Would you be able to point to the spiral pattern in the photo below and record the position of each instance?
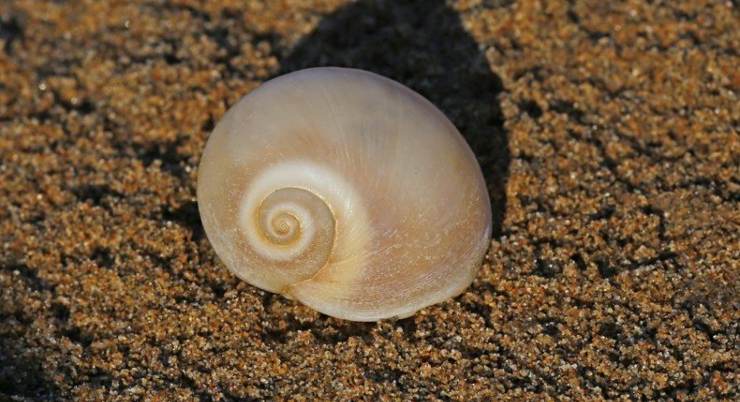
(288, 222)
(282, 228)
(289, 219)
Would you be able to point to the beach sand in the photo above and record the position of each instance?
(607, 133)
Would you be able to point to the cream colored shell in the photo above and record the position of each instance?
(346, 191)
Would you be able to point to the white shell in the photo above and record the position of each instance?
(346, 191)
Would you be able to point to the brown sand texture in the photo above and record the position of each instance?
(607, 132)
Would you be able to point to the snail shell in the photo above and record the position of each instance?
(346, 191)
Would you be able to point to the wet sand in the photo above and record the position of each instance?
(607, 133)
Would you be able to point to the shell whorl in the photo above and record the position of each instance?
(346, 191)
(288, 223)
(289, 218)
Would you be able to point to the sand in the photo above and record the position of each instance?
(607, 132)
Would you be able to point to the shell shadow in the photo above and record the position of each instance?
(22, 376)
(422, 44)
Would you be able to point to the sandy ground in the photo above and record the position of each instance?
(607, 131)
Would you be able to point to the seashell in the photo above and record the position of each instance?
(346, 191)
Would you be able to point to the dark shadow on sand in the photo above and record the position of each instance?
(22, 376)
(422, 44)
